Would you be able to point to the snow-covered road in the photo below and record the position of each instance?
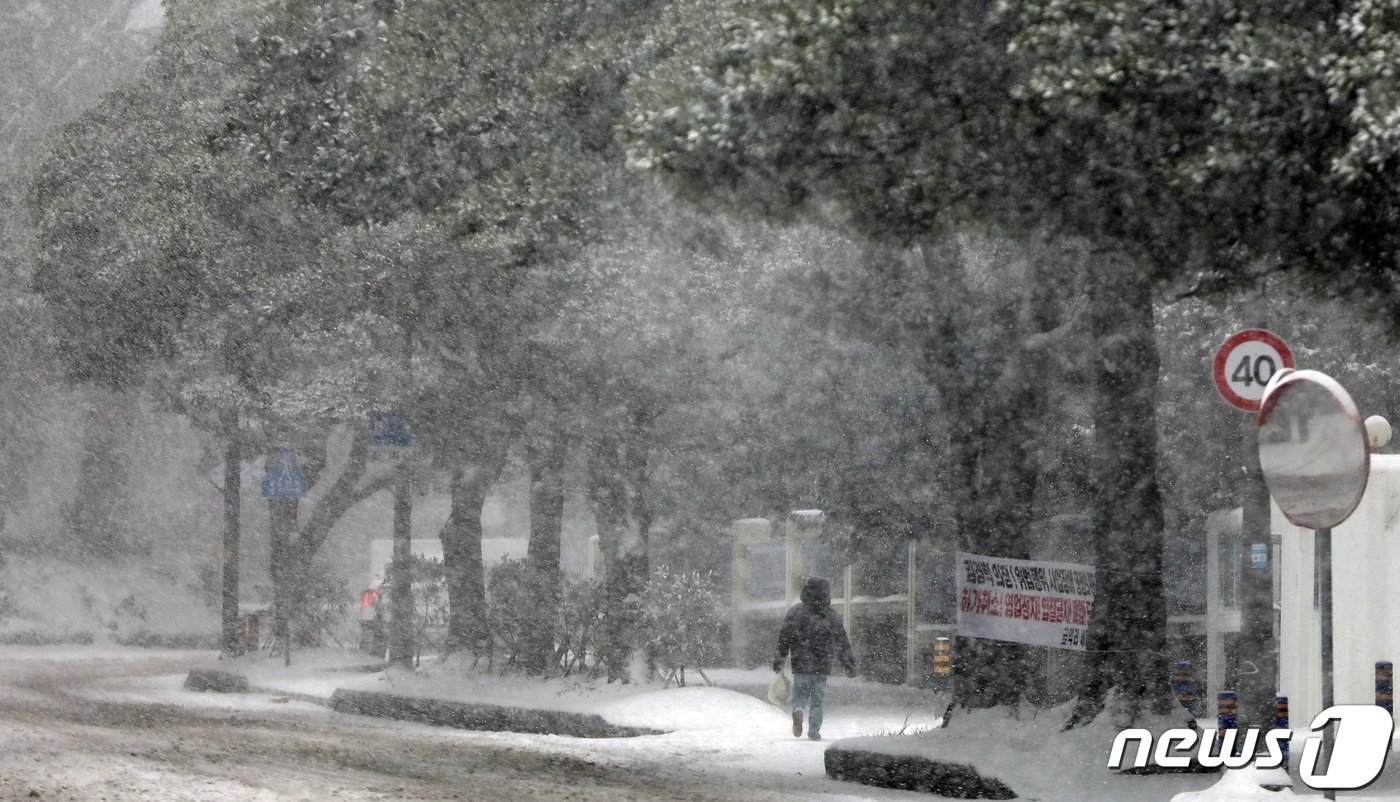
(85, 727)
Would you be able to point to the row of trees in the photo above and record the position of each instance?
(300, 213)
(1202, 146)
(280, 306)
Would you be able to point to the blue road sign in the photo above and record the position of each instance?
(1259, 555)
(284, 478)
(388, 430)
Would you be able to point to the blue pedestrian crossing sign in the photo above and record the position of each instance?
(387, 430)
(389, 440)
(284, 478)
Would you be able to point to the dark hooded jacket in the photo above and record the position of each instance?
(812, 633)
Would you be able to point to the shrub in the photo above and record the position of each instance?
(516, 612)
(578, 626)
(430, 605)
(682, 616)
(318, 609)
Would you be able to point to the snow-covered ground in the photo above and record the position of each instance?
(729, 735)
(126, 601)
(721, 729)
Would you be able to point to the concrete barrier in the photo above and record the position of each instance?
(472, 716)
(912, 773)
(213, 679)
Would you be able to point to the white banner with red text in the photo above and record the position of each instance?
(1025, 601)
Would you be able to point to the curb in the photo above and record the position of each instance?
(911, 773)
(217, 680)
(439, 712)
(489, 718)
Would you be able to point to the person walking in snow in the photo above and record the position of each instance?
(813, 635)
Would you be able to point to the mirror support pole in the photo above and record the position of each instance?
(1322, 557)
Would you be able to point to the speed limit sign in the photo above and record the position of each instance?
(1244, 365)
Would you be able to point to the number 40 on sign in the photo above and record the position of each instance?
(1245, 363)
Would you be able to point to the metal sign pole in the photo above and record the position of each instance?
(284, 522)
(1315, 452)
(1322, 549)
(1243, 367)
(1256, 643)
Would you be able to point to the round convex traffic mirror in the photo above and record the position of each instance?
(1312, 448)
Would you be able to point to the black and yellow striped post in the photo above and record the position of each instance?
(1184, 685)
(942, 668)
(942, 659)
(1226, 716)
(1385, 686)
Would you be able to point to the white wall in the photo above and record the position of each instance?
(1365, 605)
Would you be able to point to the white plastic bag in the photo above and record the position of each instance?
(780, 689)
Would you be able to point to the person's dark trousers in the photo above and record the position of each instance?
(809, 690)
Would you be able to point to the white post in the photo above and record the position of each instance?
(744, 534)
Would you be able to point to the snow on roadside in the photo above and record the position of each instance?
(692, 708)
(122, 603)
(95, 652)
(169, 689)
(1240, 785)
(718, 731)
(727, 734)
(1029, 751)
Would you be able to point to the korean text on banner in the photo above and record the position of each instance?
(1025, 601)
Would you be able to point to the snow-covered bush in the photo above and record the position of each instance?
(430, 604)
(516, 614)
(578, 625)
(683, 615)
(319, 609)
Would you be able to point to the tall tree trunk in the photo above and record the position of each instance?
(547, 456)
(1127, 630)
(20, 441)
(461, 550)
(233, 491)
(547, 505)
(638, 466)
(304, 540)
(96, 518)
(403, 626)
(992, 395)
(623, 518)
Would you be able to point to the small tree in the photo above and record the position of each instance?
(682, 616)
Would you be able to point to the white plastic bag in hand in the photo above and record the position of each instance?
(780, 689)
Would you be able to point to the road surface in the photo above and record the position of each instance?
(71, 733)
